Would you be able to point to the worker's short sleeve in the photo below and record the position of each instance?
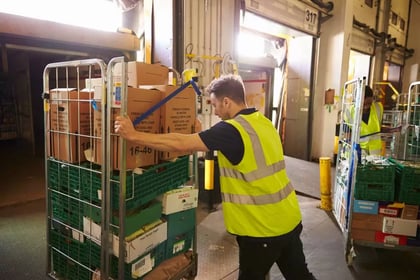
(225, 138)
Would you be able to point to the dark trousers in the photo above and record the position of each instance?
(257, 256)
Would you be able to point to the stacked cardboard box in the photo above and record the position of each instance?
(169, 233)
(176, 115)
(139, 73)
(138, 102)
(389, 223)
(70, 124)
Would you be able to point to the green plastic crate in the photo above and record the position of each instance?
(181, 222)
(67, 210)
(375, 182)
(179, 244)
(71, 179)
(157, 254)
(83, 250)
(91, 182)
(408, 182)
(65, 268)
(135, 218)
(415, 117)
(154, 181)
(85, 182)
(375, 192)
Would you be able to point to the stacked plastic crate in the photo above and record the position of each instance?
(75, 185)
(72, 255)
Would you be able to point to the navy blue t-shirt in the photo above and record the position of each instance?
(225, 138)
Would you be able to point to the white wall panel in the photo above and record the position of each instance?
(364, 13)
(362, 42)
(398, 25)
(413, 42)
(209, 33)
(292, 13)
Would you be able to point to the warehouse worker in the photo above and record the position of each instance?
(259, 203)
(371, 125)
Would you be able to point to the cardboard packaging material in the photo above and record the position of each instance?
(136, 245)
(399, 226)
(179, 200)
(367, 221)
(138, 102)
(363, 234)
(365, 206)
(140, 73)
(70, 124)
(364, 226)
(410, 212)
(177, 115)
(143, 242)
(390, 239)
(97, 85)
(389, 211)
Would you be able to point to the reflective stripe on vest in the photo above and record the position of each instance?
(261, 199)
(262, 170)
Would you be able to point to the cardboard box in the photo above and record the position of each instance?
(389, 211)
(399, 226)
(390, 239)
(138, 102)
(97, 85)
(366, 221)
(179, 200)
(140, 73)
(410, 212)
(70, 124)
(363, 234)
(365, 206)
(140, 243)
(178, 115)
(92, 230)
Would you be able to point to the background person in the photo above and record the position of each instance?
(371, 125)
(259, 203)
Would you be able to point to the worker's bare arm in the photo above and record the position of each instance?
(170, 142)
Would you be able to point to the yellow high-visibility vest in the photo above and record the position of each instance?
(258, 197)
(370, 133)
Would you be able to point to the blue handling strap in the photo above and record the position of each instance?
(355, 148)
(166, 99)
(94, 106)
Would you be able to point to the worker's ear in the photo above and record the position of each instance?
(226, 101)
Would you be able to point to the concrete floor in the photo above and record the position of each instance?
(23, 225)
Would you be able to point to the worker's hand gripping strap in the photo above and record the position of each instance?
(166, 99)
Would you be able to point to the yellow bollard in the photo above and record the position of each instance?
(325, 182)
(209, 171)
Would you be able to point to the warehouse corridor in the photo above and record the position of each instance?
(23, 225)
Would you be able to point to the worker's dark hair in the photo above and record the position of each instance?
(368, 91)
(230, 86)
